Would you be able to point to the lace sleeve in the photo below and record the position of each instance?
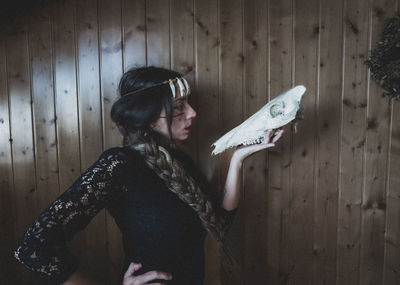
(43, 247)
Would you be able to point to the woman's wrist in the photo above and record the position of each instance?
(237, 159)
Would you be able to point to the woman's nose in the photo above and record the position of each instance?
(191, 113)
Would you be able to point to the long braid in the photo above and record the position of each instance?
(183, 185)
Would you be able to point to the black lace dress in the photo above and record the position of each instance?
(159, 230)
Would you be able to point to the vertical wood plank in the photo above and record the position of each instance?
(40, 45)
(65, 92)
(206, 91)
(20, 103)
(181, 26)
(391, 274)
(352, 143)
(182, 55)
(255, 167)
(21, 137)
(67, 120)
(304, 155)
(374, 196)
(7, 211)
(231, 114)
(206, 81)
(279, 247)
(134, 27)
(90, 124)
(111, 67)
(328, 131)
(392, 244)
(158, 33)
(88, 82)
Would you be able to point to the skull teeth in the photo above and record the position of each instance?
(255, 141)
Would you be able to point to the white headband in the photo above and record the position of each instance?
(178, 83)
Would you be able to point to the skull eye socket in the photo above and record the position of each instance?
(276, 110)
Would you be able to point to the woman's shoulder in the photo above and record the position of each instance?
(115, 161)
(122, 154)
(115, 151)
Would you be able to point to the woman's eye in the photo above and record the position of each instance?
(179, 108)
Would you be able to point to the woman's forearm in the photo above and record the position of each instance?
(231, 193)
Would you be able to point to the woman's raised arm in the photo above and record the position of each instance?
(231, 193)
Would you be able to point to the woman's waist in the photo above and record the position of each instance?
(188, 271)
(166, 257)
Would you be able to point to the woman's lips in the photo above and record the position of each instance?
(188, 129)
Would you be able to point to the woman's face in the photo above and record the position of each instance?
(183, 115)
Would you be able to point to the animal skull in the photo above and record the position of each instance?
(277, 113)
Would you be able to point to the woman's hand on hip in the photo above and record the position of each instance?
(129, 279)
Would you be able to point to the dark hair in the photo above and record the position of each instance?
(141, 102)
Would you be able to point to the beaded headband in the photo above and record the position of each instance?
(178, 83)
(175, 84)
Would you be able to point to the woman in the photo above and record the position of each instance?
(159, 200)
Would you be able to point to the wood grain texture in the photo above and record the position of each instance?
(158, 33)
(374, 196)
(255, 167)
(206, 44)
(21, 133)
(7, 200)
(111, 68)
(66, 93)
(306, 21)
(391, 272)
(231, 114)
(41, 58)
(20, 109)
(66, 103)
(321, 208)
(329, 65)
(392, 245)
(278, 206)
(134, 33)
(352, 142)
(90, 124)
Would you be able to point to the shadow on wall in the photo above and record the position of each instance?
(10, 9)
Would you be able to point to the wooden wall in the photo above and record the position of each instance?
(322, 207)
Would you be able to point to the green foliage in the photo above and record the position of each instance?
(384, 61)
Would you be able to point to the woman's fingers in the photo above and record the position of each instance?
(270, 134)
(132, 268)
(129, 279)
(277, 136)
(151, 275)
(269, 140)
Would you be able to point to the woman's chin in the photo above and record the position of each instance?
(182, 137)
